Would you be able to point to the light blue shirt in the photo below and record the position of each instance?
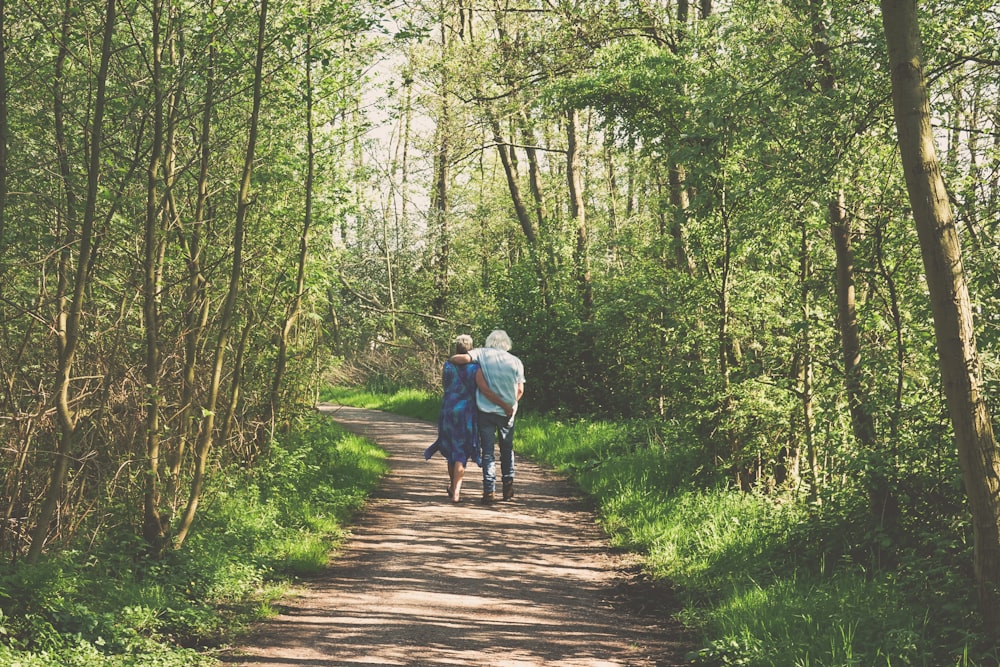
(503, 372)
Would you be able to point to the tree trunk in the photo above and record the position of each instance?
(523, 216)
(196, 300)
(292, 315)
(69, 319)
(581, 253)
(726, 405)
(805, 371)
(229, 307)
(153, 529)
(4, 130)
(882, 502)
(680, 201)
(439, 197)
(949, 294)
(504, 149)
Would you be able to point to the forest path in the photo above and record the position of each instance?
(422, 581)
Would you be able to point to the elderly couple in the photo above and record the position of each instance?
(481, 389)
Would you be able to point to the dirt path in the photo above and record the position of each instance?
(424, 582)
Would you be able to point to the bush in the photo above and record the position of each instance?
(114, 605)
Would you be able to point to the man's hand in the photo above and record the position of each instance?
(491, 396)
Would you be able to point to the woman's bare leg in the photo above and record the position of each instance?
(456, 481)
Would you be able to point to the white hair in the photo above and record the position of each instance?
(499, 340)
(464, 341)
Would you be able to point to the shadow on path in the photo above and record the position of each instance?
(424, 582)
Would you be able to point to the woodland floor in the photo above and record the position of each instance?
(422, 581)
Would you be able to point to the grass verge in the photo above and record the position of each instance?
(256, 531)
(766, 580)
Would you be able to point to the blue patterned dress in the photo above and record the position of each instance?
(458, 429)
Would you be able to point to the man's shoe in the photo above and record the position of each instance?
(489, 498)
(508, 489)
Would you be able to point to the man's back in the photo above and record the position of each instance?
(503, 372)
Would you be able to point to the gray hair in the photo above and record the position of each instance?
(499, 340)
(463, 343)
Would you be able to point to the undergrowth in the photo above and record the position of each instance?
(408, 402)
(256, 530)
(768, 580)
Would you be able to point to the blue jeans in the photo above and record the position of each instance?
(491, 424)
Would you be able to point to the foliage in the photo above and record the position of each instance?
(766, 580)
(115, 605)
(417, 403)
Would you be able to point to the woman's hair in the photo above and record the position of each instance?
(499, 340)
(463, 343)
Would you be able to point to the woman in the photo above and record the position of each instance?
(458, 430)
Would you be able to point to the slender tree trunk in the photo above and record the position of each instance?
(4, 133)
(806, 368)
(153, 529)
(613, 198)
(534, 174)
(680, 201)
(897, 324)
(439, 197)
(949, 294)
(581, 254)
(677, 178)
(229, 307)
(882, 502)
(292, 315)
(726, 407)
(196, 300)
(504, 150)
(69, 325)
(523, 216)
(407, 120)
(236, 387)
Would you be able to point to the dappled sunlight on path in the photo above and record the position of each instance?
(424, 582)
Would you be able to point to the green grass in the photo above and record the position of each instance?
(255, 532)
(409, 402)
(765, 580)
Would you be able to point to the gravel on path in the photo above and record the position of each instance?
(423, 581)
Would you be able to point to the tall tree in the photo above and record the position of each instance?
(154, 530)
(228, 314)
(3, 129)
(69, 323)
(295, 307)
(442, 158)
(882, 502)
(954, 330)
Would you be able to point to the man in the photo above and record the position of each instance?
(501, 373)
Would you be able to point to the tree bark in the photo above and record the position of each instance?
(439, 196)
(953, 325)
(581, 253)
(680, 201)
(153, 529)
(292, 314)
(229, 307)
(805, 372)
(4, 131)
(195, 298)
(69, 324)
